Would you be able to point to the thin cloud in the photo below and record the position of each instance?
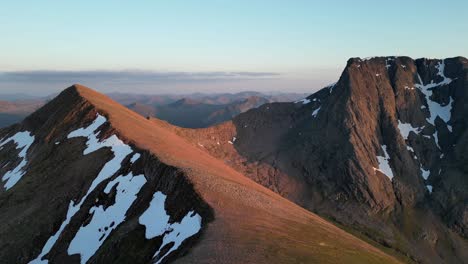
(45, 82)
(129, 76)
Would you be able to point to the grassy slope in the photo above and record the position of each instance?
(252, 224)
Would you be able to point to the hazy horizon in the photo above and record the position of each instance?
(16, 95)
(213, 46)
(44, 82)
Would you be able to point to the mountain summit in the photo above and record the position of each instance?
(86, 180)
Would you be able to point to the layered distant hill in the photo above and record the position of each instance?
(195, 113)
(190, 110)
(204, 98)
(200, 110)
(14, 111)
(86, 180)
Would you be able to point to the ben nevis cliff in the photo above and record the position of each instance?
(382, 154)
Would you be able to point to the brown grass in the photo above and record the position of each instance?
(252, 224)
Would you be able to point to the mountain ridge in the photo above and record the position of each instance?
(192, 181)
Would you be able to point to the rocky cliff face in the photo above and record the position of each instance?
(382, 151)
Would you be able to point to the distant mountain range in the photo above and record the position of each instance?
(214, 98)
(16, 110)
(17, 97)
(197, 113)
(192, 110)
(199, 110)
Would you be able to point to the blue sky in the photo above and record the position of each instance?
(303, 44)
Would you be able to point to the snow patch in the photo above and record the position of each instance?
(315, 112)
(435, 109)
(384, 165)
(425, 173)
(120, 150)
(232, 140)
(156, 221)
(23, 141)
(135, 157)
(331, 87)
(436, 139)
(89, 130)
(303, 101)
(429, 188)
(387, 65)
(89, 238)
(406, 128)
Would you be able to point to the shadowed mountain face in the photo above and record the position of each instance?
(382, 152)
(86, 180)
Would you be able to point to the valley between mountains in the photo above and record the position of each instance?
(371, 169)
